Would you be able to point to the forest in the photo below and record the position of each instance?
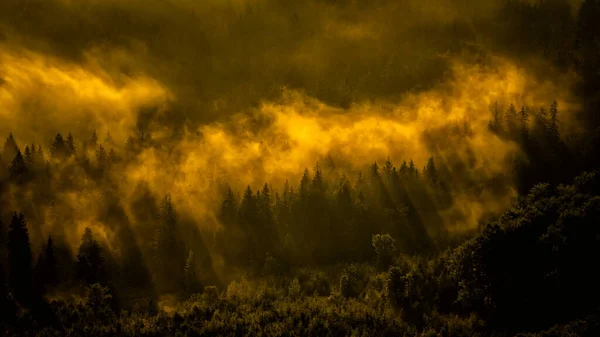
(265, 189)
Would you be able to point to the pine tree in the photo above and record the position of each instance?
(495, 124)
(388, 171)
(228, 211)
(265, 204)
(10, 147)
(59, 148)
(404, 169)
(430, 172)
(29, 156)
(20, 259)
(189, 274)
(101, 156)
(542, 120)
(18, 170)
(169, 255)
(40, 154)
(45, 272)
(248, 220)
(554, 121)
(70, 145)
(511, 118)
(89, 263)
(304, 184)
(523, 121)
(346, 223)
(94, 139)
(112, 156)
(412, 169)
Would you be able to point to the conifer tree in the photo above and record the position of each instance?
(248, 219)
(18, 170)
(228, 211)
(511, 118)
(94, 140)
(89, 263)
(523, 121)
(169, 255)
(412, 169)
(388, 171)
(59, 148)
(10, 148)
(20, 261)
(318, 185)
(189, 274)
(554, 122)
(542, 120)
(265, 213)
(45, 271)
(112, 156)
(495, 123)
(430, 172)
(29, 156)
(70, 145)
(404, 169)
(304, 184)
(101, 156)
(40, 154)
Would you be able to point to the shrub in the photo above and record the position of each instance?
(350, 282)
(294, 290)
(385, 247)
(395, 287)
(211, 294)
(98, 298)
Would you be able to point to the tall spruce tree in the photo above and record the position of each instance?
(169, 254)
(10, 148)
(20, 261)
(89, 263)
(18, 170)
(45, 272)
(70, 145)
(59, 148)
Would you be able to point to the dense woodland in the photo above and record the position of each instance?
(364, 254)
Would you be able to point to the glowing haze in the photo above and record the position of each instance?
(250, 92)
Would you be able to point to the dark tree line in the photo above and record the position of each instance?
(324, 221)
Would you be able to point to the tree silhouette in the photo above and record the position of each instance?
(18, 170)
(20, 261)
(45, 271)
(10, 147)
(168, 253)
(59, 149)
(89, 263)
(70, 145)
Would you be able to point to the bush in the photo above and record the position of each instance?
(350, 282)
(238, 290)
(294, 290)
(314, 283)
(385, 247)
(98, 298)
(270, 267)
(395, 287)
(211, 294)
